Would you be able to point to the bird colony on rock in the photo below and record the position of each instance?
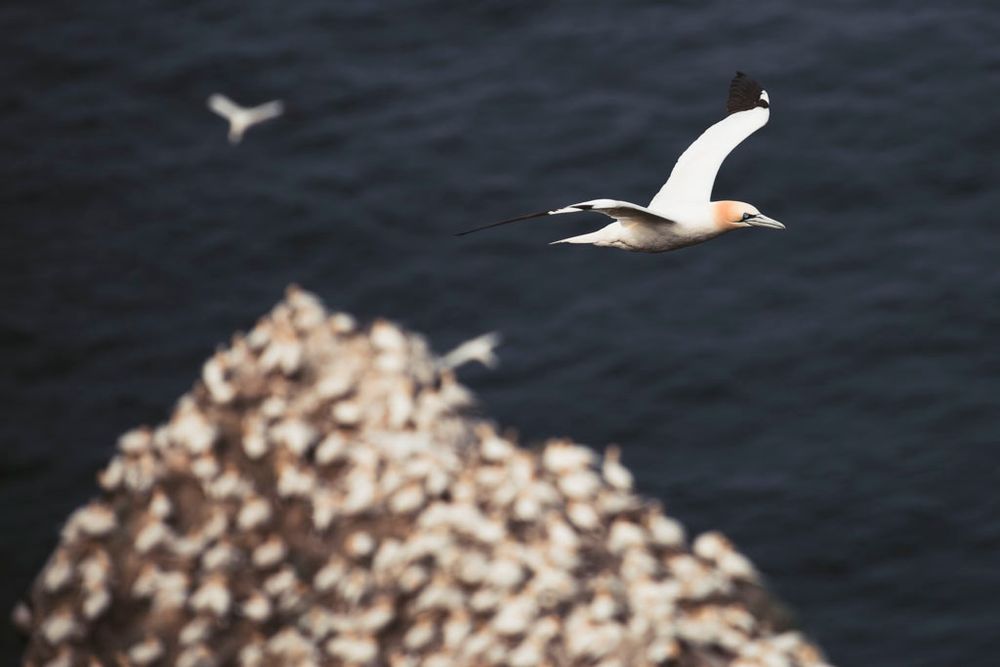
(323, 497)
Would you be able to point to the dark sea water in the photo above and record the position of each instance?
(828, 396)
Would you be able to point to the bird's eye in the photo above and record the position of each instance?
(746, 216)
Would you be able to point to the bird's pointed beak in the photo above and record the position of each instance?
(761, 220)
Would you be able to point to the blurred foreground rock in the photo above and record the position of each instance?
(321, 497)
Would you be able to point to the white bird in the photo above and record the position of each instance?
(481, 349)
(682, 213)
(242, 118)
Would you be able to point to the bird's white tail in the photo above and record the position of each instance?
(596, 238)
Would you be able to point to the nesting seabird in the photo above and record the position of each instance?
(682, 213)
(241, 118)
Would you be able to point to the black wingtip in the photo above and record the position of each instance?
(503, 222)
(744, 94)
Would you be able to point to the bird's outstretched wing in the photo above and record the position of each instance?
(266, 111)
(694, 174)
(481, 349)
(622, 211)
(223, 106)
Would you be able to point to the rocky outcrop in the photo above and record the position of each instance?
(322, 496)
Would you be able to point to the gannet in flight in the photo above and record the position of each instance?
(481, 349)
(242, 118)
(682, 213)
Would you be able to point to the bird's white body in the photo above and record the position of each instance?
(243, 118)
(674, 226)
(682, 213)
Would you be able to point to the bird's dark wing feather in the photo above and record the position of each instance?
(744, 94)
(624, 212)
(519, 218)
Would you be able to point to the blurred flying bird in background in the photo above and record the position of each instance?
(243, 118)
(481, 349)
